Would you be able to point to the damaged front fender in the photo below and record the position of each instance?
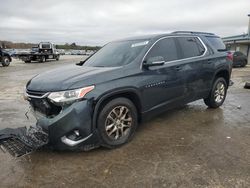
(22, 141)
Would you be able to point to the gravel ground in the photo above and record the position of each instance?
(187, 147)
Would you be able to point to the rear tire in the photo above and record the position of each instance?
(117, 122)
(5, 61)
(247, 85)
(244, 64)
(218, 93)
(57, 58)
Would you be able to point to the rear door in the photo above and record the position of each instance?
(191, 67)
(217, 57)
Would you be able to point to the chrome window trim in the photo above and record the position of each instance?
(177, 59)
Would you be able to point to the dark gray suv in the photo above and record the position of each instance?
(101, 100)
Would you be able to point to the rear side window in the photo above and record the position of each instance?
(165, 48)
(190, 47)
(216, 42)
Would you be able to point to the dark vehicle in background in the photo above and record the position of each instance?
(11, 52)
(239, 59)
(5, 58)
(100, 101)
(41, 53)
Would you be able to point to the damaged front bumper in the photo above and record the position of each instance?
(22, 141)
(71, 129)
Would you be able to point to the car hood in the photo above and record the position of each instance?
(71, 77)
(5, 52)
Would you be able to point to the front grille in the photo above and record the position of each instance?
(35, 93)
(15, 147)
(42, 105)
(45, 107)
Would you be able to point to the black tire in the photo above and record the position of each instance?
(247, 85)
(213, 102)
(244, 63)
(103, 122)
(28, 61)
(5, 61)
(57, 58)
(42, 59)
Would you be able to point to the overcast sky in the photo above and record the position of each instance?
(95, 22)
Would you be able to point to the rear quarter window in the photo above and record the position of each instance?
(216, 42)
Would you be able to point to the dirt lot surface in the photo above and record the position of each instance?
(187, 147)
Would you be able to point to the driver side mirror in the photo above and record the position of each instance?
(154, 61)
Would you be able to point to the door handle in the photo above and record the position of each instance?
(178, 68)
(209, 61)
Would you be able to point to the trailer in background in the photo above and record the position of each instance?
(40, 53)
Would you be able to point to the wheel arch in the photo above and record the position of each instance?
(129, 93)
(224, 74)
(8, 56)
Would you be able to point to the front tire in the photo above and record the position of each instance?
(5, 61)
(117, 122)
(218, 93)
(42, 59)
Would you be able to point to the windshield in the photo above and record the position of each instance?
(117, 54)
(45, 46)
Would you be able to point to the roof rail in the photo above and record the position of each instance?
(192, 32)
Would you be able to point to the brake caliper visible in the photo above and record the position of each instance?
(22, 141)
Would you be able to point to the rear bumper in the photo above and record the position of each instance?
(238, 63)
(76, 117)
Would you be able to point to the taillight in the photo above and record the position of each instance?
(230, 56)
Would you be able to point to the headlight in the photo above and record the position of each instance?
(69, 95)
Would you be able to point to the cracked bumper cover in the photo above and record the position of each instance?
(21, 141)
(54, 132)
(75, 117)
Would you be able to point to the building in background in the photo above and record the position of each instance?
(239, 42)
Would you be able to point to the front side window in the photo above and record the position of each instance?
(117, 54)
(190, 47)
(165, 48)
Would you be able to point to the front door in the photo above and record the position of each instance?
(162, 84)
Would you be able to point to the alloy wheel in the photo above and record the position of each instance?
(219, 93)
(6, 62)
(118, 122)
